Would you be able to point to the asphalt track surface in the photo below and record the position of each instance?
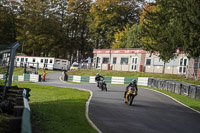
(151, 112)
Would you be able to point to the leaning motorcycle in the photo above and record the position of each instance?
(102, 85)
(129, 96)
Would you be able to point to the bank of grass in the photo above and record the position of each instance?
(20, 71)
(58, 110)
(193, 103)
(133, 74)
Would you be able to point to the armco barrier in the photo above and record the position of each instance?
(26, 116)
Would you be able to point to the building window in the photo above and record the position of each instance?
(148, 62)
(50, 61)
(114, 60)
(46, 61)
(58, 61)
(41, 60)
(124, 61)
(105, 60)
(158, 62)
(22, 59)
(17, 59)
(33, 59)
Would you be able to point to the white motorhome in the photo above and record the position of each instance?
(50, 63)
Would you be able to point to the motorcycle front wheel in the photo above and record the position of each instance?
(130, 99)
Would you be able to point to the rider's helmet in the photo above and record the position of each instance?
(134, 81)
(97, 74)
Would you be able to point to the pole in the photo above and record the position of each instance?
(12, 61)
(10, 67)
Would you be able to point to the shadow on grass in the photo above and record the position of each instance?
(62, 116)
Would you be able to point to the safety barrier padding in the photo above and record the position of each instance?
(177, 87)
(34, 78)
(117, 80)
(26, 77)
(15, 78)
(171, 86)
(127, 80)
(107, 79)
(185, 89)
(85, 79)
(70, 78)
(77, 79)
(92, 79)
(192, 91)
(1, 76)
(20, 78)
(142, 81)
(197, 92)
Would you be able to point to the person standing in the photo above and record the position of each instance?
(44, 76)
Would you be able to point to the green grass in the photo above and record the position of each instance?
(132, 74)
(20, 71)
(193, 103)
(58, 110)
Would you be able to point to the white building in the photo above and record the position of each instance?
(139, 60)
(50, 63)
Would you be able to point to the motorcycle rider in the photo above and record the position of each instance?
(98, 78)
(133, 85)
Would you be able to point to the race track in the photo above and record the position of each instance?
(151, 112)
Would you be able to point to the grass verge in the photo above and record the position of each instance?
(58, 110)
(133, 74)
(193, 103)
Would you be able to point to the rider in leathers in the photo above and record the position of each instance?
(133, 84)
(98, 78)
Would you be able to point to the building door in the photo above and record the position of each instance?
(183, 65)
(134, 64)
(98, 63)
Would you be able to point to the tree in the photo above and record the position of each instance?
(78, 30)
(158, 29)
(8, 14)
(109, 17)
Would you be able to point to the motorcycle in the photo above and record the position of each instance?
(102, 85)
(129, 96)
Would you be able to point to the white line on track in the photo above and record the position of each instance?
(87, 105)
(172, 99)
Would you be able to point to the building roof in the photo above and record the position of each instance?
(119, 51)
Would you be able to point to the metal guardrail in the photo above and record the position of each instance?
(26, 116)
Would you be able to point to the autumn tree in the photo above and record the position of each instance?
(109, 17)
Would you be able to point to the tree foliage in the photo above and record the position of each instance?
(172, 25)
(109, 17)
